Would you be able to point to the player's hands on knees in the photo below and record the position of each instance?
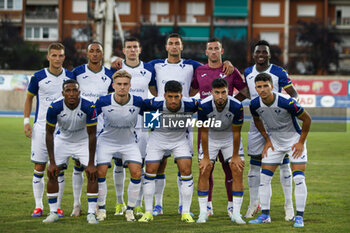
(28, 130)
(297, 149)
(267, 146)
(91, 172)
(52, 170)
(228, 68)
(117, 64)
(204, 164)
(237, 162)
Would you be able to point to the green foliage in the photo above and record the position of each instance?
(327, 178)
(320, 49)
(15, 53)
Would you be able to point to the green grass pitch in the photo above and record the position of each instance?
(327, 177)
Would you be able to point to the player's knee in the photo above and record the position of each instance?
(135, 173)
(77, 163)
(39, 167)
(185, 171)
(236, 172)
(101, 171)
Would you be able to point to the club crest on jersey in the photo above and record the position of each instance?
(182, 65)
(80, 114)
(222, 75)
(142, 72)
(132, 110)
(277, 111)
(228, 115)
(104, 79)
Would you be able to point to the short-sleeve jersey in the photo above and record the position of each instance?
(119, 120)
(47, 87)
(93, 85)
(171, 134)
(205, 75)
(183, 72)
(279, 119)
(232, 114)
(279, 77)
(72, 123)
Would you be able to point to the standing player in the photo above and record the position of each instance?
(120, 112)
(256, 142)
(284, 136)
(76, 119)
(143, 79)
(46, 85)
(171, 140)
(226, 138)
(202, 82)
(95, 80)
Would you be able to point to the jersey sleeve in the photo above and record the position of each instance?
(33, 86)
(195, 84)
(51, 116)
(191, 105)
(101, 102)
(152, 105)
(70, 74)
(109, 73)
(238, 82)
(254, 104)
(293, 107)
(283, 79)
(150, 68)
(202, 113)
(238, 117)
(247, 71)
(89, 109)
(155, 61)
(195, 64)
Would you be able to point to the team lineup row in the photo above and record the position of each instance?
(96, 81)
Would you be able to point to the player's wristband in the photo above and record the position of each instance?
(26, 120)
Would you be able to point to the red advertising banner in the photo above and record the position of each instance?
(321, 87)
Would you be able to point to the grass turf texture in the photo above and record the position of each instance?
(327, 177)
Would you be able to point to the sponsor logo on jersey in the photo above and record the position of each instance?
(48, 82)
(84, 77)
(203, 75)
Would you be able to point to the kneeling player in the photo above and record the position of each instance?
(279, 115)
(172, 140)
(229, 111)
(76, 119)
(120, 112)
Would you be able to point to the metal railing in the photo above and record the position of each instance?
(41, 15)
(166, 19)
